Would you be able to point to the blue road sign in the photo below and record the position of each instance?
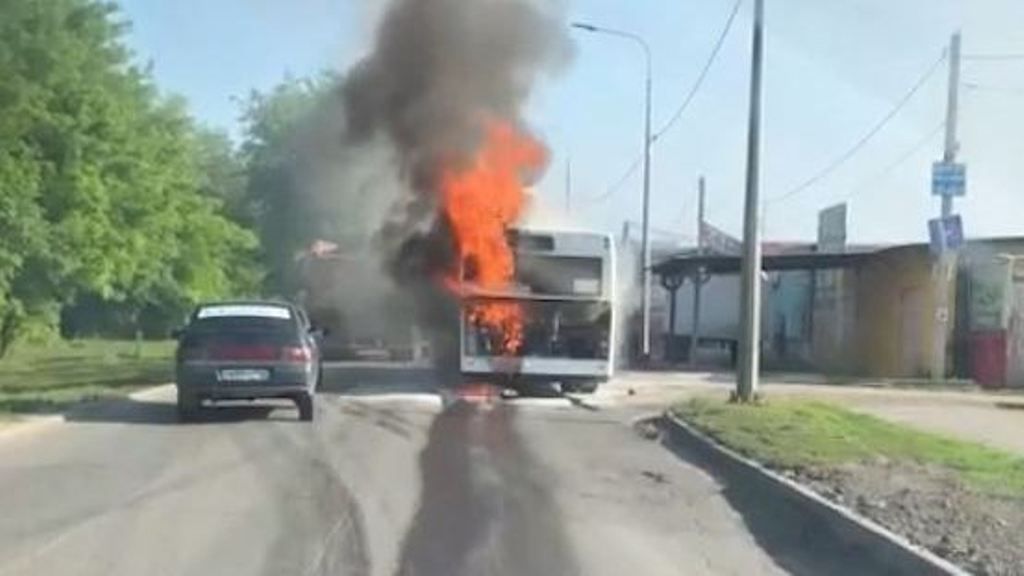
(946, 234)
(949, 179)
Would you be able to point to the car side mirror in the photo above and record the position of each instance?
(177, 333)
(319, 333)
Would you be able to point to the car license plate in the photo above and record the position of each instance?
(243, 375)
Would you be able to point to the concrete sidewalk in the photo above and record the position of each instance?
(992, 418)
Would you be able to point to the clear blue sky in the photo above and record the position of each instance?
(834, 68)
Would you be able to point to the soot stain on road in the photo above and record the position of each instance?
(323, 511)
(483, 508)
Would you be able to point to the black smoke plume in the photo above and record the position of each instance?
(437, 71)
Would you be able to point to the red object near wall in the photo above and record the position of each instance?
(988, 358)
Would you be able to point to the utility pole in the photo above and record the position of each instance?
(645, 239)
(698, 277)
(568, 184)
(952, 115)
(750, 288)
(945, 267)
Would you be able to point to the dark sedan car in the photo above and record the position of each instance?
(247, 351)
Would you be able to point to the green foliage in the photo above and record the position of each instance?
(290, 134)
(53, 378)
(794, 434)
(106, 194)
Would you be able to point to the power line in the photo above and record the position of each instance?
(975, 87)
(611, 190)
(902, 159)
(617, 185)
(910, 153)
(663, 232)
(683, 209)
(703, 73)
(994, 57)
(846, 156)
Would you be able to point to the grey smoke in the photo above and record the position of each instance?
(437, 71)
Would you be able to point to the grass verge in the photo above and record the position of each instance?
(49, 379)
(802, 434)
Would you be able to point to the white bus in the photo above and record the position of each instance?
(565, 289)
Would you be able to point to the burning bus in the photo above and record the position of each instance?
(558, 314)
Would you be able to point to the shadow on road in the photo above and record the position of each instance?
(129, 411)
(799, 543)
(371, 379)
(483, 507)
(349, 380)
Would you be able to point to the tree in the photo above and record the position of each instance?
(279, 127)
(107, 194)
(306, 180)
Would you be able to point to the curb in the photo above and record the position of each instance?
(887, 548)
(149, 392)
(28, 424)
(22, 426)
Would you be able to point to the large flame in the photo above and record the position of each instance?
(481, 202)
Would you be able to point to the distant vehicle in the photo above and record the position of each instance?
(247, 351)
(347, 293)
(565, 285)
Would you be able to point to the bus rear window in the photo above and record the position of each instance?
(559, 275)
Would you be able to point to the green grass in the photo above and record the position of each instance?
(47, 379)
(800, 434)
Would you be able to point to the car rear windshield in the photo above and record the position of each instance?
(217, 329)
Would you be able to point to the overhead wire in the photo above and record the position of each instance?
(906, 156)
(976, 87)
(703, 74)
(994, 57)
(698, 83)
(864, 140)
(865, 184)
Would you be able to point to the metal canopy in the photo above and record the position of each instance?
(715, 264)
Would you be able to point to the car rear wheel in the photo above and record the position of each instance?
(304, 402)
(188, 406)
(581, 386)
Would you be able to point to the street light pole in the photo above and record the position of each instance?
(645, 234)
(750, 298)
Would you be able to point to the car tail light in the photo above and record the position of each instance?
(244, 353)
(297, 354)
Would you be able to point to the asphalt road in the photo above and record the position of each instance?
(392, 478)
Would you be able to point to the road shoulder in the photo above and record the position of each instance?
(23, 425)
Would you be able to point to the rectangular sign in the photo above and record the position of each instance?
(949, 179)
(243, 375)
(245, 310)
(946, 234)
(832, 229)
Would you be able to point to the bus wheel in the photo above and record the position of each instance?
(580, 386)
(539, 388)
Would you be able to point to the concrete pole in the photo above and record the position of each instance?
(750, 288)
(698, 278)
(952, 114)
(945, 267)
(646, 235)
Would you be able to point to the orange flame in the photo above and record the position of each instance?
(481, 202)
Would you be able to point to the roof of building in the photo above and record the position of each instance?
(780, 256)
(726, 264)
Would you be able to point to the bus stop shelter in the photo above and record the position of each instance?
(697, 267)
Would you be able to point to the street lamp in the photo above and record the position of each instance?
(645, 234)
